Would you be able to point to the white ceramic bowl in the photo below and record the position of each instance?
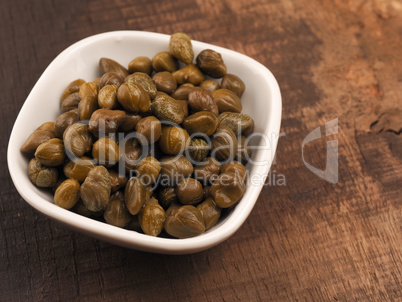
(261, 100)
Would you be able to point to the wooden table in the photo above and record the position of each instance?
(307, 240)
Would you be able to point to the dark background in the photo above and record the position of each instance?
(307, 241)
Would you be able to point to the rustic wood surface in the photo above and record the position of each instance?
(309, 240)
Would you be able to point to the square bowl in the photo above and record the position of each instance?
(261, 100)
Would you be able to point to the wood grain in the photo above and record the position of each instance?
(308, 240)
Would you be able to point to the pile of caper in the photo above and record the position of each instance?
(158, 147)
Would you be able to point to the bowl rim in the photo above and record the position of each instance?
(132, 239)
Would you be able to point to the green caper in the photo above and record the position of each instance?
(174, 169)
(228, 189)
(77, 139)
(129, 122)
(110, 78)
(96, 188)
(149, 129)
(188, 74)
(70, 102)
(180, 47)
(106, 151)
(64, 120)
(109, 65)
(189, 191)
(207, 171)
(107, 97)
(67, 194)
(134, 195)
(224, 143)
(78, 168)
(133, 98)
(51, 153)
(181, 93)
(198, 150)
(89, 89)
(34, 140)
(201, 100)
(116, 212)
(227, 100)
(184, 222)
(73, 87)
(152, 218)
(86, 107)
(165, 82)
(166, 108)
(210, 213)
(240, 123)
(174, 140)
(42, 176)
(145, 81)
(167, 196)
(106, 121)
(201, 122)
(164, 61)
(211, 63)
(210, 85)
(233, 83)
(140, 64)
(117, 180)
(148, 170)
(236, 167)
(131, 152)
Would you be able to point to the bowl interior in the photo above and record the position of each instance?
(261, 101)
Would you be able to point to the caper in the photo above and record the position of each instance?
(188, 74)
(189, 191)
(165, 82)
(210, 213)
(110, 78)
(34, 140)
(117, 180)
(181, 93)
(150, 130)
(174, 169)
(201, 100)
(184, 222)
(130, 122)
(227, 100)
(240, 123)
(209, 85)
(131, 152)
(70, 102)
(42, 176)
(167, 196)
(133, 98)
(116, 212)
(88, 89)
(152, 218)
(106, 121)
(207, 171)
(64, 120)
(204, 122)
(73, 87)
(78, 168)
(211, 63)
(51, 153)
(109, 65)
(86, 107)
(180, 47)
(48, 126)
(95, 190)
(134, 195)
(81, 209)
(228, 189)
(198, 150)
(164, 61)
(233, 83)
(174, 140)
(235, 167)
(148, 170)
(140, 64)
(77, 139)
(145, 81)
(166, 108)
(107, 97)
(224, 144)
(67, 194)
(207, 192)
(106, 151)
